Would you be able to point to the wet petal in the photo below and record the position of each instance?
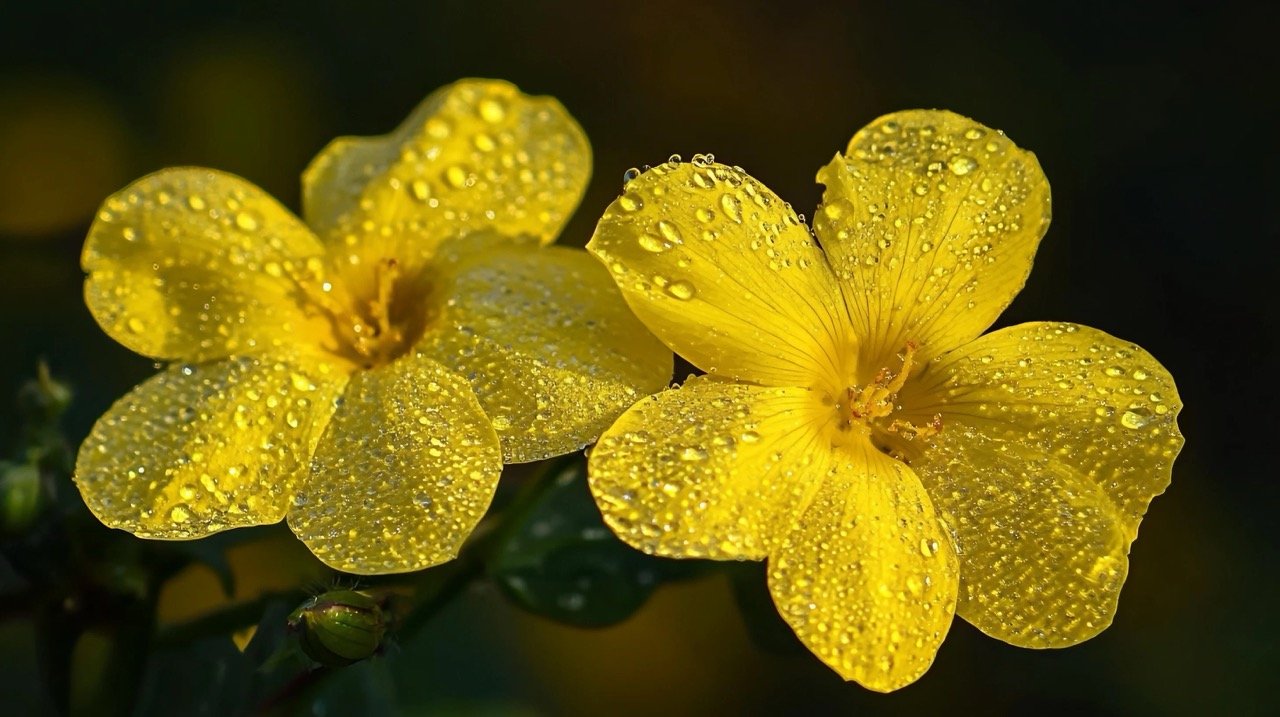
(550, 348)
(1055, 439)
(706, 470)
(403, 473)
(723, 271)
(867, 577)
(196, 264)
(477, 154)
(931, 221)
(199, 449)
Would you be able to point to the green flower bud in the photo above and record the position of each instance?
(22, 497)
(339, 627)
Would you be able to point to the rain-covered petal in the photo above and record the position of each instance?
(476, 154)
(1055, 438)
(867, 576)
(931, 221)
(199, 449)
(403, 473)
(707, 470)
(549, 346)
(196, 264)
(725, 273)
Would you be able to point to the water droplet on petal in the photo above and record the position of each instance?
(248, 221)
(631, 202)
(1135, 418)
(649, 242)
(961, 165)
(492, 110)
(681, 290)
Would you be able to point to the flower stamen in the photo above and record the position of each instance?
(863, 409)
(371, 323)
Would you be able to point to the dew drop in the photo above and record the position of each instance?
(651, 243)
(732, 207)
(961, 165)
(629, 175)
(670, 232)
(248, 221)
(456, 176)
(1135, 418)
(420, 189)
(437, 128)
(681, 290)
(492, 110)
(928, 547)
(693, 454)
(631, 202)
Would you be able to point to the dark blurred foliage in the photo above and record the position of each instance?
(1150, 121)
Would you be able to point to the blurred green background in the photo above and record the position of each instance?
(1147, 119)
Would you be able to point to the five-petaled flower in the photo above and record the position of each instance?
(855, 428)
(368, 380)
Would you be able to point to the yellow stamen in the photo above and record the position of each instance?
(864, 407)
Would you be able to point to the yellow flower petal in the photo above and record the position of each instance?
(931, 221)
(867, 578)
(199, 449)
(476, 154)
(550, 348)
(706, 470)
(725, 274)
(403, 473)
(195, 264)
(1055, 438)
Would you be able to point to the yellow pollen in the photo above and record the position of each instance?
(862, 408)
(371, 323)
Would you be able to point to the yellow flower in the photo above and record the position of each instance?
(854, 428)
(368, 376)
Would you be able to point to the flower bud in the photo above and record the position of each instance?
(44, 398)
(339, 627)
(22, 497)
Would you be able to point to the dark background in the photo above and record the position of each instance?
(1148, 119)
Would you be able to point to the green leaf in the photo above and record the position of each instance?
(556, 558)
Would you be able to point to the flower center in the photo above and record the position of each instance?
(374, 316)
(868, 410)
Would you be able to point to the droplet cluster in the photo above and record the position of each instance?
(930, 220)
(406, 469)
(474, 155)
(867, 577)
(706, 470)
(199, 449)
(550, 351)
(703, 245)
(1057, 438)
(198, 264)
